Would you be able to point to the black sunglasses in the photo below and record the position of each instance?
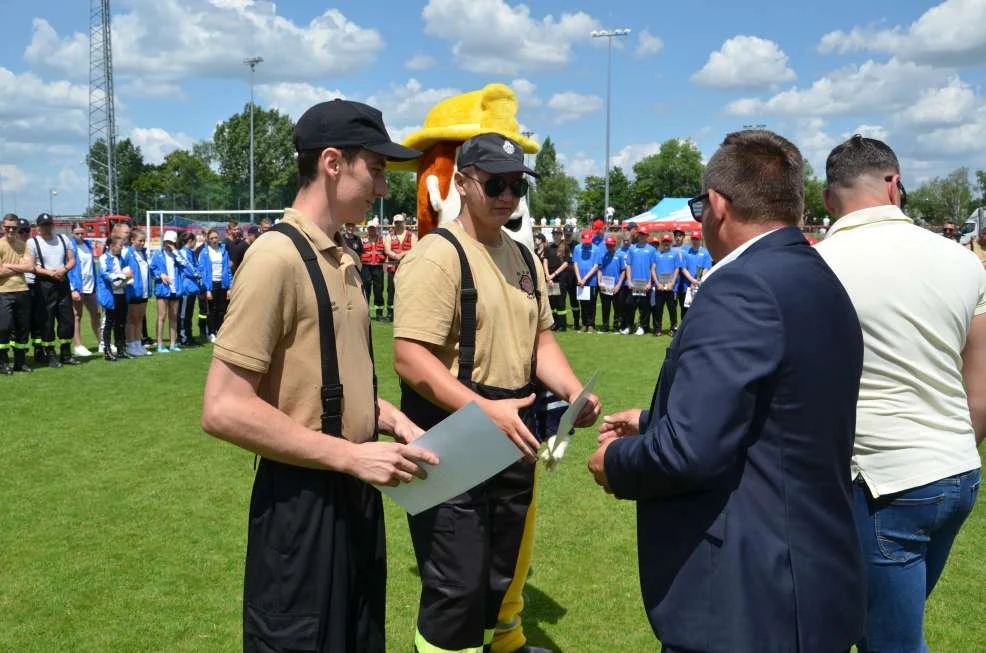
(697, 204)
(494, 186)
(900, 189)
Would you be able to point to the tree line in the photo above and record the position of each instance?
(215, 174)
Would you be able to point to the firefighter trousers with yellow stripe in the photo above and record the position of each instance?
(467, 552)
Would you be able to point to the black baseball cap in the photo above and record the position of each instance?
(23, 225)
(44, 218)
(344, 123)
(493, 153)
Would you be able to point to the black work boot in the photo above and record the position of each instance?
(66, 356)
(5, 364)
(40, 356)
(20, 361)
(53, 361)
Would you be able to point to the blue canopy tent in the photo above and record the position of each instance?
(669, 208)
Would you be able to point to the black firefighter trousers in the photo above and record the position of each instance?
(316, 568)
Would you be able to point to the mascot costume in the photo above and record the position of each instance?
(449, 123)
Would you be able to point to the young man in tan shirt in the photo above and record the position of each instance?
(15, 301)
(467, 547)
(316, 566)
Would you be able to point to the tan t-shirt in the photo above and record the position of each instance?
(427, 305)
(271, 327)
(13, 254)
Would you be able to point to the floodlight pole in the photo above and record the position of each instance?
(608, 35)
(527, 198)
(51, 201)
(252, 62)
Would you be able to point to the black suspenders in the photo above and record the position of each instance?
(331, 391)
(468, 297)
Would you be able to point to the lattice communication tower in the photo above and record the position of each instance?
(102, 115)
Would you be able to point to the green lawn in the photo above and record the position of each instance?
(122, 525)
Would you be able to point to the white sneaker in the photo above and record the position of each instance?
(113, 349)
(212, 338)
(101, 350)
(640, 331)
(81, 351)
(625, 331)
(144, 348)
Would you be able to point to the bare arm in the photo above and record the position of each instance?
(388, 250)
(396, 424)
(26, 263)
(232, 411)
(974, 374)
(419, 367)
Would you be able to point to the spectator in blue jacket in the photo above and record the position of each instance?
(188, 289)
(697, 261)
(218, 279)
(111, 292)
(138, 292)
(612, 272)
(640, 261)
(164, 271)
(82, 279)
(584, 258)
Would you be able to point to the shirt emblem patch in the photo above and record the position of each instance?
(526, 283)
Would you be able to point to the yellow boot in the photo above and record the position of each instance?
(509, 635)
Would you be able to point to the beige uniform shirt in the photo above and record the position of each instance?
(12, 254)
(271, 327)
(508, 318)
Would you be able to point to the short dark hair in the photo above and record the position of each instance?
(308, 162)
(857, 157)
(761, 173)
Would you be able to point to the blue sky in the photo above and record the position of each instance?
(911, 73)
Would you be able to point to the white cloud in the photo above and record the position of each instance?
(408, 103)
(156, 143)
(293, 98)
(526, 93)
(580, 165)
(951, 104)
(149, 89)
(869, 131)
(648, 44)
(870, 88)
(963, 141)
(32, 110)
(948, 34)
(495, 38)
(12, 178)
(630, 154)
(403, 105)
(420, 62)
(170, 40)
(571, 106)
(72, 180)
(746, 62)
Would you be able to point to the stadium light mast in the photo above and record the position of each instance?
(252, 62)
(609, 35)
(102, 114)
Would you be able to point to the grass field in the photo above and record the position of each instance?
(122, 525)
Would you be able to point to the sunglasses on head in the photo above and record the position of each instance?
(697, 204)
(494, 186)
(900, 189)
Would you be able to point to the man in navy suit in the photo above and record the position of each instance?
(740, 468)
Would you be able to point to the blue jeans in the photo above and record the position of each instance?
(906, 538)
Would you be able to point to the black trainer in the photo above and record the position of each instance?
(5, 369)
(109, 356)
(69, 360)
(23, 367)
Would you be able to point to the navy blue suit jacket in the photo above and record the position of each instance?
(745, 531)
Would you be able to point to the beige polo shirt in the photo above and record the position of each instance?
(916, 294)
(427, 306)
(12, 254)
(271, 327)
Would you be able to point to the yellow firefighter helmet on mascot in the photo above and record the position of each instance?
(449, 123)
